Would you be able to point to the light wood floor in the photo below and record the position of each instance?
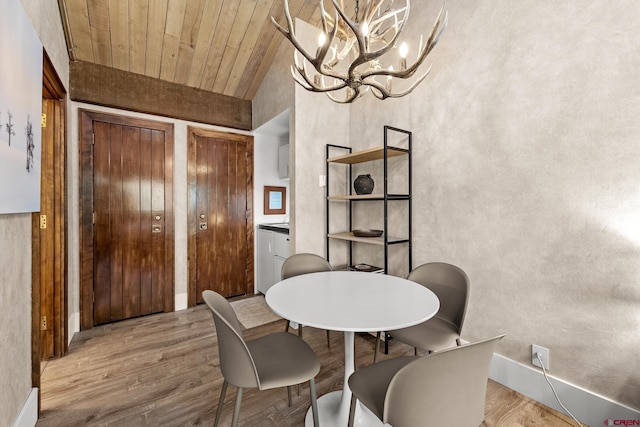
(162, 370)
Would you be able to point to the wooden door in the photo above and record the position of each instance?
(129, 187)
(220, 213)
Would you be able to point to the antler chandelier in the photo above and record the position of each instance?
(351, 57)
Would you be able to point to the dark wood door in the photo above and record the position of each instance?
(132, 220)
(220, 214)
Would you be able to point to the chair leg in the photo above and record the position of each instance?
(223, 391)
(314, 402)
(328, 340)
(375, 351)
(415, 351)
(286, 327)
(236, 409)
(300, 335)
(352, 410)
(289, 395)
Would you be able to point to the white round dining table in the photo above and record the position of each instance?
(351, 302)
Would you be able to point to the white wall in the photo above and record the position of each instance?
(266, 173)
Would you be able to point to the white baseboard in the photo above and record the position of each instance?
(588, 407)
(29, 414)
(181, 301)
(73, 327)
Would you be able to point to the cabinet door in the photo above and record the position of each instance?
(277, 267)
(280, 247)
(264, 268)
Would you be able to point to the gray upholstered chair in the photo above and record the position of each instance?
(445, 388)
(304, 263)
(451, 286)
(276, 360)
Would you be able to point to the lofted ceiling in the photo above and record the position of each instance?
(221, 46)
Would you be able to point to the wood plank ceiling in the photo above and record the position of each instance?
(222, 46)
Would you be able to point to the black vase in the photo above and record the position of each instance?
(363, 184)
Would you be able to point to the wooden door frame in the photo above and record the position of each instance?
(87, 117)
(192, 134)
(54, 91)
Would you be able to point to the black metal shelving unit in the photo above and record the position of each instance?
(350, 158)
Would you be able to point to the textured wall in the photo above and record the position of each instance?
(15, 315)
(313, 113)
(15, 246)
(526, 146)
(275, 94)
(318, 121)
(45, 18)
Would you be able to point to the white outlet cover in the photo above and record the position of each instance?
(544, 355)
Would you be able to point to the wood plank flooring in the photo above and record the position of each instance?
(163, 370)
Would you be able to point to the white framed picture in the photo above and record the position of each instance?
(20, 111)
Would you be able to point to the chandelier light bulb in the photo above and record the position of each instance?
(322, 39)
(365, 29)
(404, 49)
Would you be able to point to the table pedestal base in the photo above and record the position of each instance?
(332, 412)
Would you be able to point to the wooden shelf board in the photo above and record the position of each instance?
(368, 197)
(357, 197)
(348, 235)
(368, 155)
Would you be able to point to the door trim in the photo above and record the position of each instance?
(53, 90)
(192, 134)
(87, 117)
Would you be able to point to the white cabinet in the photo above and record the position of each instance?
(264, 267)
(283, 161)
(273, 249)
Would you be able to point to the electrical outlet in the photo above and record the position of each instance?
(544, 355)
(322, 180)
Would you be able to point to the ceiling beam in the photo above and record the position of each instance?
(97, 84)
(64, 16)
